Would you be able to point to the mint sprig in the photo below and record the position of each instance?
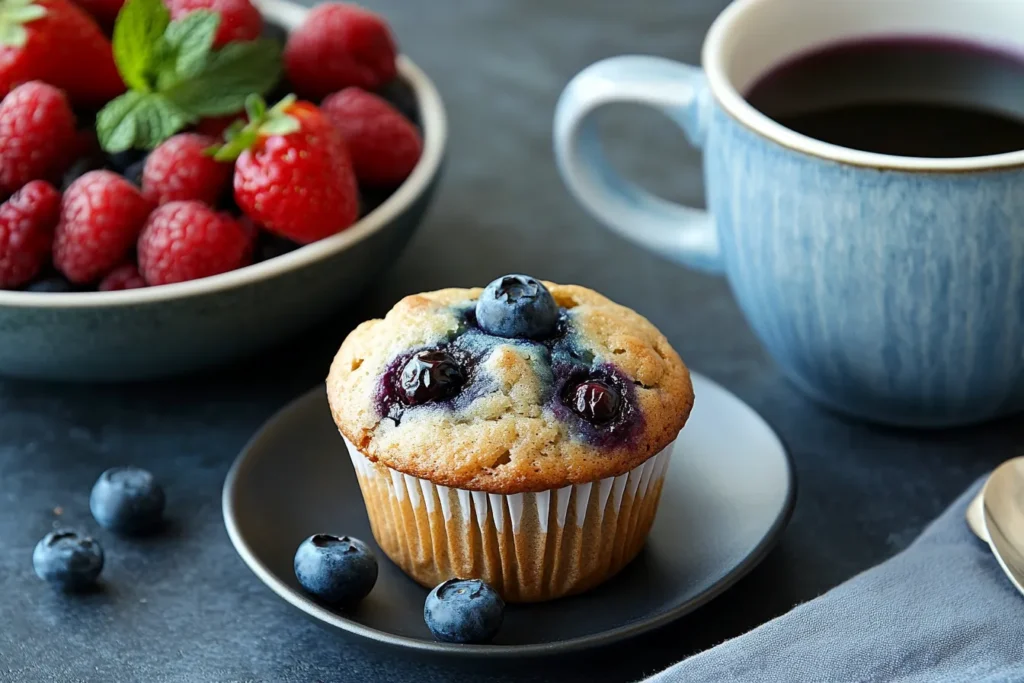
(176, 77)
(262, 121)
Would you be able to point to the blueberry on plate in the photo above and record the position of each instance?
(68, 560)
(339, 570)
(127, 500)
(464, 611)
(517, 306)
(430, 376)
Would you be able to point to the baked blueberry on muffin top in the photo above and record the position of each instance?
(522, 386)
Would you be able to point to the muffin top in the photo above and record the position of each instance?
(522, 386)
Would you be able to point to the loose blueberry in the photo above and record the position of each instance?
(372, 197)
(274, 32)
(68, 560)
(81, 166)
(52, 284)
(464, 611)
(120, 161)
(270, 246)
(517, 306)
(127, 500)
(401, 95)
(430, 376)
(340, 571)
(595, 401)
(133, 173)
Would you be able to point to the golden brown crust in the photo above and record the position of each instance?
(506, 440)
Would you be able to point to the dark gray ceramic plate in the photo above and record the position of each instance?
(728, 495)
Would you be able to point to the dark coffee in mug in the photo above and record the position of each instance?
(914, 97)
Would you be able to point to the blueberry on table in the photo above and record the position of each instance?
(339, 570)
(430, 376)
(127, 500)
(517, 306)
(68, 560)
(464, 611)
(596, 401)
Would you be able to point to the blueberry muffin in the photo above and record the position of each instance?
(518, 434)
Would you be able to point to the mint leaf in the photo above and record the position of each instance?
(230, 75)
(191, 38)
(240, 136)
(238, 143)
(138, 30)
(255, 107)
(138, 120)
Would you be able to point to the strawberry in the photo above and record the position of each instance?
(239, 19)
(103, 11)
(125, 276)
(189, 240)
(101, 217)
(27, 221)
(339, 45)
(383, 145)
(37, 130)
(179, 169)
(293, 175)
(57, 42)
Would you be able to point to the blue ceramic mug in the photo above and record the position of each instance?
(889, 288)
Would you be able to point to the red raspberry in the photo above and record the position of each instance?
(239, 20)
(383, 144)
(189, 240)
(299, 185)
(27, 221)
(125, 276)
(101, 216)
(179, 169)
(36, 130)
(339, 45)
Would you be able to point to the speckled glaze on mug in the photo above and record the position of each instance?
(889, 288)
(161, 331)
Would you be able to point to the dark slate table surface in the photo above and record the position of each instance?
(183, 607)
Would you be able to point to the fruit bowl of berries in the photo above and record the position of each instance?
(185, 182)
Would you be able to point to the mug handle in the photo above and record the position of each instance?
(681, 233)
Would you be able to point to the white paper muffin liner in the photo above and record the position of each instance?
(529, 546)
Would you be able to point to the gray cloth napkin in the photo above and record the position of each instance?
(939, 612)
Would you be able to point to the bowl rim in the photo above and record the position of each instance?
(435, 131)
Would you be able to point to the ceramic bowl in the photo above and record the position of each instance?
(168, 330)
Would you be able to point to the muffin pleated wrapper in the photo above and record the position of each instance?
(528, 546)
